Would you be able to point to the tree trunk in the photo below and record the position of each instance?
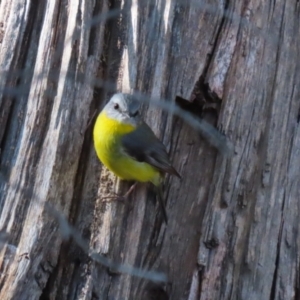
(233, 221)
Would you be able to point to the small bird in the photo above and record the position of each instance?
(127, 146)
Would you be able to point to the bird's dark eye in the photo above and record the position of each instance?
(135, 114)
(116, 106)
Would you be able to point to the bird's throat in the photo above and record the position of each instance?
(110, 126)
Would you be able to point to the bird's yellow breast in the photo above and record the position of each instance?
(107, 140)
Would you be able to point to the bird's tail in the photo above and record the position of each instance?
(159, 194)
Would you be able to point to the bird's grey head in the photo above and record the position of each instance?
(124, 108)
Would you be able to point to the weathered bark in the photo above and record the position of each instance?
(233, 222)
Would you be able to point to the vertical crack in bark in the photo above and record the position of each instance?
(201, 271)
(94, 29)
(297, 289)
(274, 281)
(196, 284)
(201, 85)
(53, 276)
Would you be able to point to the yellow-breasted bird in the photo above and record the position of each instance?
(127, 146)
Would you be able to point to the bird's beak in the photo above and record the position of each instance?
(127, 115)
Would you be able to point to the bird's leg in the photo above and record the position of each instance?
(117, 197)
(130, 190)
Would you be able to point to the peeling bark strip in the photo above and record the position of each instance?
(234, 227)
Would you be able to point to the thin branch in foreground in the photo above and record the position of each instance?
(69, 231)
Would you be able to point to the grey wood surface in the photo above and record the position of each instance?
(233, 230)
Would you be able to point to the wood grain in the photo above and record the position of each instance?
(233, 230)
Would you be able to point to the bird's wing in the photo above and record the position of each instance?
(144, 146)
